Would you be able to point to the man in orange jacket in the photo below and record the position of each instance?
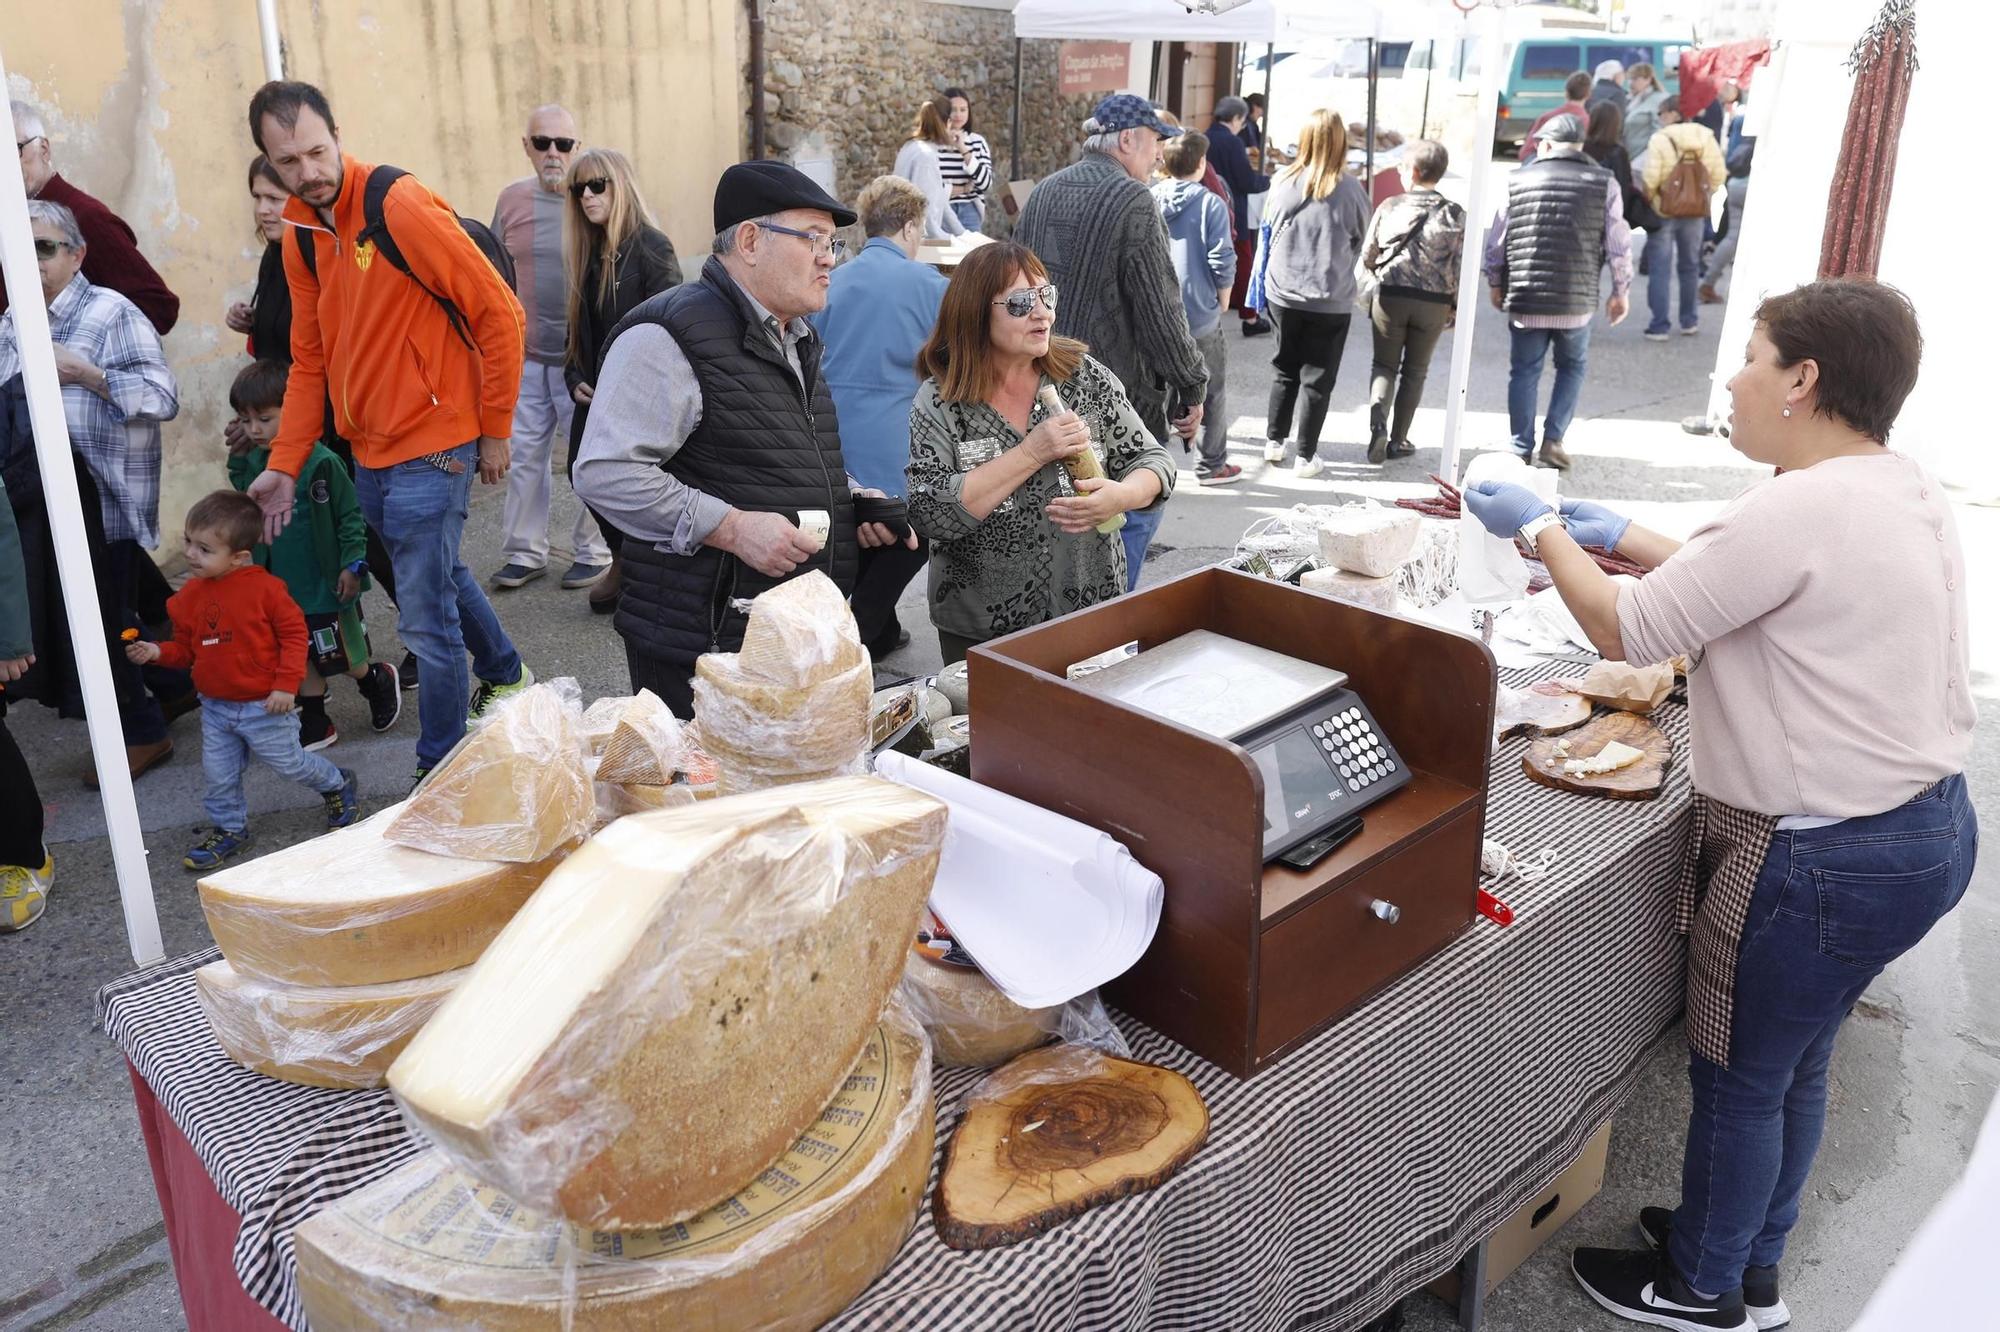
(423, 402)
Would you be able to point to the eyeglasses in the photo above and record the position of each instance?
(1021, 303)
(595, 185)
(22, 146)
(542, 142)
(48, 249)
(822, 245)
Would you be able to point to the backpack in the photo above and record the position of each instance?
(1686, 192)
(375, 229)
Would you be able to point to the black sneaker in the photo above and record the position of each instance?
(316, 730)
(1643, 1287)
(343, 806)
(1760, 1284)
(384, 694)
(406, 671)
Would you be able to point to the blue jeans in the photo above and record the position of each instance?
(1833, 906)
(1524, 381)
(442, 612)
(967, 213)
(1137, 534)
(230, 733)
(1673, 248)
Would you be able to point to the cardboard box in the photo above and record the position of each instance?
(1521, 1234)
(1016, 197)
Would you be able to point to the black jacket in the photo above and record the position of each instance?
(271, 308)
(1555, 236)
(1231, 161)
(645, 267)
(1639, 214)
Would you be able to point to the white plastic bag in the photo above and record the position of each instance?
(1489, 567)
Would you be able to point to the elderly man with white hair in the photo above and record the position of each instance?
(1609, 85)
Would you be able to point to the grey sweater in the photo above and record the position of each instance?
(1099, 233)
(1311, 264)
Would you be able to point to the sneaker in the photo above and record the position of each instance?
(1643, 1287)
(24, 893)
(1378, 448)
(1553, 455)
(1760, 1284)
(489, 693)
(1256, 328)
(583, 575)
(1691, 330)
(343, 806)
(406, 671)
(220, 845)
(517, 574)
(384, 693)
(1664, 335)
(1307, 468)
(417, 779)
(1402, 450)
(1274, 451)
(1224, 475)
(316, 731)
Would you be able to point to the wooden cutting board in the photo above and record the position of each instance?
(1640, 781)
(1534, 712)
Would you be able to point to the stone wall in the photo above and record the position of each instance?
(844, 78)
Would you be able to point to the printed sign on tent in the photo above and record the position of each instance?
(1089, 67)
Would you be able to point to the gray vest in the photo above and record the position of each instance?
(1555, 236)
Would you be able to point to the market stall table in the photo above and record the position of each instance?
(1355, 1171)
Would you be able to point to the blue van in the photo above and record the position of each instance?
(1543, 60)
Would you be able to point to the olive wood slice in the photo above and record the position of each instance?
(1640, 781)
(1057, 1132)
(1537, 712)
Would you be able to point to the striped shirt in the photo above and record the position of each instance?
(117, 435)
(970, 165)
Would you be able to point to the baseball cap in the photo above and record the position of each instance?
(1123, 111)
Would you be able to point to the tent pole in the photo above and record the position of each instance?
(1430, 72)
(73, 555)
(1471, 289)
(1270, 63)
(1374, 74)
(1015, 154)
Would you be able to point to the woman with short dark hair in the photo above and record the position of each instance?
(1824, 614)
(1415, 242)
(1014, 541)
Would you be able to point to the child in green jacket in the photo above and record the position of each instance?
(321, 557)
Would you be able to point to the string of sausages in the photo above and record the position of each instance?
(1446, 505)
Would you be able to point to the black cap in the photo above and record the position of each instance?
(759, 189)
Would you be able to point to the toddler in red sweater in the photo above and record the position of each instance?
(245, 639)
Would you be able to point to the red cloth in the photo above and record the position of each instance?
(1246, 258)
(1704, 72)
(1532, 145)
(201, 1227)
(1213, 184)
(242, 634)
(111, 256)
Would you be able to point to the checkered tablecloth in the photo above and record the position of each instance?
(1360, 1167)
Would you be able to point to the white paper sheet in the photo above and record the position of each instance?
(1050, 907)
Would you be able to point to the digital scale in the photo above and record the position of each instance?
(1322, 757)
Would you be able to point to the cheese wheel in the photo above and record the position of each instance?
(426, 1247)
(515, 788)
(971, 1023)
(1355, 589)
(353, 908)
(750, 721)
(317, 1035)
(678, 1001)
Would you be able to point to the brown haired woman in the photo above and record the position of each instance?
(1013, 542)
(920, 161)
(1832, 715)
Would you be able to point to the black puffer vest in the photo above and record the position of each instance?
(1555, 236)
(762, 444)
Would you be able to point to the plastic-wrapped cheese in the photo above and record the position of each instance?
(353, 908)
(1370, 539)
(801, 632)
(317, 1035)
(644, 747)
(678, 1001)
(1377, 594)
(971, 1023)
(515, 788)
(426, 1247)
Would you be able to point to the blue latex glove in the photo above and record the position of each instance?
(1503, 507)
(1594, 525)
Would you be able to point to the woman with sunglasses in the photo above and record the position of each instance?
(615, 257)
(1014, 541)
(920, 161)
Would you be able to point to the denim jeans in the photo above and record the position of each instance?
(1832, 907)
(968, 214)
(230, 733)
(1137, 534)
(1673, 249)
(442, 613)
(1531, 347)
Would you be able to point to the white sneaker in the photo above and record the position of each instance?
(1308, 467)
(1274, 453)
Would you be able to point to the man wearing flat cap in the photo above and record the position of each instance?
(1096, 226)
(712, 441)
(1563, 222)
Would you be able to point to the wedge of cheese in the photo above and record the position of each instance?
(801, 632)
(426, 1247)
(515, 788)
(678, 1001)
(1368, 539)
(644, 747)
(971, 1023)
(317, 1035)
(354, 908)
(1615, 755)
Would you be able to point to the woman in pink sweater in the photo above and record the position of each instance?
(1825, 613)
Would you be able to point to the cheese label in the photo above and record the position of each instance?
(449, 1217)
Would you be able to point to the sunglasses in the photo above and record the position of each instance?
(542, 142)
(822, 245)
(48, 249)
(1021, 304)
(595, 185)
